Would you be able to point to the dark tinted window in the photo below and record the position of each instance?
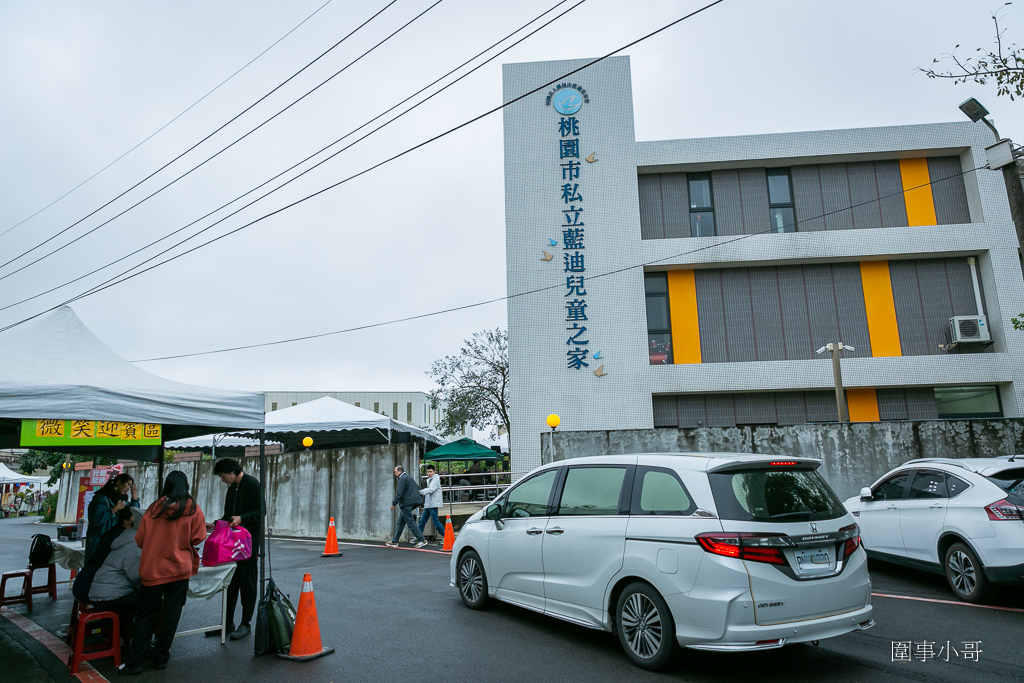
(892, 488)
(1011, 481)
(659, 492)
(955, 486)
(659, 324)
(928, 484)
(775, 495)
(592, 491)
(530, 498)
(700, 190)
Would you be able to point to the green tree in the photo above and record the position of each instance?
(1004, 66)
(473, 385)
(41, 460)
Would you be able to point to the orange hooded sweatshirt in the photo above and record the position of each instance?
(168, 545)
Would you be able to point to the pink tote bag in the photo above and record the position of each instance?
(226, 544)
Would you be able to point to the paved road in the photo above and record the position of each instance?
(392, 617)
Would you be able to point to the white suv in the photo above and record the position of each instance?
(963, 518)
(713, 551)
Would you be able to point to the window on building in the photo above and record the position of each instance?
(408, 413)
(394, 411)
(357, 404)
(659, 326)
(780, 200)
(702, 210)
(294, 403)
(376, 407)
(967, 402)
(273, 406)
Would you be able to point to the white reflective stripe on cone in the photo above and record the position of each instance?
(307, 586)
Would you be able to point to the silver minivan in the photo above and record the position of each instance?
(716, 551)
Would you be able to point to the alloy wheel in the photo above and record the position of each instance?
(471, 580)
(641, 624)
(962, 573)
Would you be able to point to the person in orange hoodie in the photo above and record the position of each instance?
(167, 535)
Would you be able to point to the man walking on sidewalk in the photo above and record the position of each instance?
(407, 498)
(431, 501)
(241, 508)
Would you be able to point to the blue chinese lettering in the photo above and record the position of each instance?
(574, 285)
(572, 238)
(568, 148)
(575, 338)
(574, 263)
(572, 215)
(576, 309)
(568, 126)
(571, 193)
(571, 170)
(577, 358)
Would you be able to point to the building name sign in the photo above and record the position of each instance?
(89, 433)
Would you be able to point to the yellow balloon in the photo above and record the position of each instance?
(307, 442)
(553, 420)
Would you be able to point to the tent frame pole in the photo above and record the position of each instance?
(263, 512)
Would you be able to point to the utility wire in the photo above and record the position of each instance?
(379, 164)
(234, 118)
(246, 65)
(390, 121)
(549, 287)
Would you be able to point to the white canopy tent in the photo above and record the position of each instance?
(54, 367)
(9, 476)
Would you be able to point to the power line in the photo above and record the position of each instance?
(184, 153)
(379, 164)
(261, 197)
(549, 287)
(151, 135)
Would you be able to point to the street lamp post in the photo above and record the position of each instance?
(836, 349)
(1002, 157)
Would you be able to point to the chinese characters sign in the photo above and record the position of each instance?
(88, 433)
(574, 255)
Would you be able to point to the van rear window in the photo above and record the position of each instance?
(1011, 481)
(775, 495)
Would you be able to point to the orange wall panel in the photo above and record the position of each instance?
(917, 193)
(880, 308)
(863, 405)
(682, 298)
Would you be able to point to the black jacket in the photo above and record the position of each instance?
(407, 494)
(243, 500)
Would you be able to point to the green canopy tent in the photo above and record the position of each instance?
(466, 450)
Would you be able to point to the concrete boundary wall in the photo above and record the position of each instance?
(853, 455)
(305, 489)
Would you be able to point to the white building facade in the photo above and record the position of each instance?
(690, 282)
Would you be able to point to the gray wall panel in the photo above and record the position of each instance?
(822, 305)
(906, 295)
(691, 410)
(948, 191)
(961, 290)
(755, 409)
(711, 316)
(821, 406)
(721, 410)
(676, 205)
(892, 404)
(853, 319)
(769, 337)
(921, 403)
(754, 188)
(835, 191)
(864, 195)
(890, 192)
(807, 198)
(651, 224)
(739, 322)
(790, 408)
(725, 187)
(665, 411)
(927, 293)
(795, 325)
(936, 304)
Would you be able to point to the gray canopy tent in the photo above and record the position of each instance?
(55, 369)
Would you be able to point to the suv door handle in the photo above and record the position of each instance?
(893, 507)
(937, 506)
(533, 531)
(555, 530)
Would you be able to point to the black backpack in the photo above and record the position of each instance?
(40, 553)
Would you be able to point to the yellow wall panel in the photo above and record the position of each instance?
(863, 405)
(682, 298)
(920, 205)
(880, 308)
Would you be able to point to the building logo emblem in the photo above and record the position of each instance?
(567, 98)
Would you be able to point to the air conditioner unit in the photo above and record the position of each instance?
(964, 329)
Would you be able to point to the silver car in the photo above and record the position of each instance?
(711, 551)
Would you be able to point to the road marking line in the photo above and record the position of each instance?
(946, 602)
(361, 545)
(58, 647)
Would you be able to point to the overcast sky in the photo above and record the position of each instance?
(85, 82)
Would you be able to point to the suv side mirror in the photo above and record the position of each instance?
(865, 494)
(493, 512)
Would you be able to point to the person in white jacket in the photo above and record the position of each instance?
(431, 501)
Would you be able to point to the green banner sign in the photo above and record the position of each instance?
(88, 433)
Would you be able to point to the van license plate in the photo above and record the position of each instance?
(813, 561)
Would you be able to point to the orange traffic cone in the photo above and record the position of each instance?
(449, 535)
(306, 643)
(331, 546)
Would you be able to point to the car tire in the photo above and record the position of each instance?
(646, 630)
(472, 581)
(965, 574)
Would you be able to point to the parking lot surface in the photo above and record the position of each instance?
(392, 616)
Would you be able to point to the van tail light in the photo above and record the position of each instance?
(1003, 510)
(751, 547)
(849, 536)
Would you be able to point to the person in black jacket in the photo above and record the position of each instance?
(407, 498)
(241, 508)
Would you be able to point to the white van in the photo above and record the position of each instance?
(712, 551)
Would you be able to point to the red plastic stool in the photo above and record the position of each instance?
(50, 586)
(25, 597)
(81, 617)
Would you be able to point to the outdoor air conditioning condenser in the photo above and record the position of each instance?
(964, 329)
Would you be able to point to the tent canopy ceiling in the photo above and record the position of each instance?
(9, 476)
(335, 424)
(55, 368)
(463, 449)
